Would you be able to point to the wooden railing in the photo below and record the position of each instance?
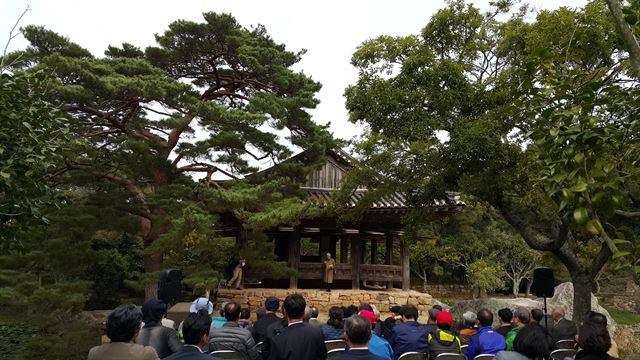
(308, 270)
(376, 272)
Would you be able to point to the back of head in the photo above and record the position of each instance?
(596, 318)
(469, 318)
(195, 326)
(409, 312)
(153, 310)
(260, 313)
(272, 303)
(505, 315)
(124, 323)
(437, 307)
(336, 316)
(365, 306)
(594, 338)
(358, 329)
(537, 315)
(307, 314)
(245, 314)
(350, 311)
(444, 320)
(533, 342)
(294, 305)
(232, 311)
(376, 312)
(433, 314)
(485, 317)
(314, 312)
(557, 312)
(522, 314)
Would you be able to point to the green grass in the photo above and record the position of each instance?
(624, 317)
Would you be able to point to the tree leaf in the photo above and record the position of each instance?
(620, 254)
(580, 216)
(579, 187)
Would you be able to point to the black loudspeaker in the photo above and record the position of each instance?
(170, 286)
(543, 282)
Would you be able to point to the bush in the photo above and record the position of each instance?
(485, 275)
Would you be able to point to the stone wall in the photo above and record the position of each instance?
(323, 300)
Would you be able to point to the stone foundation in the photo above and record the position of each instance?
(323, 300)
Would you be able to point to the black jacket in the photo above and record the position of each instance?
(358, 355)
(563, 330)
(163, 339)
(272, 331)
(583, 355)
(259, 329)
(296, 342)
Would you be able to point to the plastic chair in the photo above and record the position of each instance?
(229, 355)
(334, 353)
(484, 357)
(562, 353)
(463, 349)
(259, 347)
(335, 344)
(566, 344)
(451, 356)
(413, 356)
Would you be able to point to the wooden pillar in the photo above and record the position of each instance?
(363, 250)
(406, 270)
(374, 250)
(356, 252)
(344, 249)
(333, 247)
(294, 257)
(389, 256)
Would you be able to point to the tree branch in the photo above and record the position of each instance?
(628, 214)
(627, 35)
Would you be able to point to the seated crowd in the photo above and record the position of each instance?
(350, 333)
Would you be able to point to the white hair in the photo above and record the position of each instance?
(469, 316)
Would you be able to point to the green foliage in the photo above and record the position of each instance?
(485, 275)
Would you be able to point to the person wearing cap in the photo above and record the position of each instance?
(161, 338)
(390, 322)
(329, 270)
(442, 340)
(200, 303)
(259, 329)
(377, 345)
(486, 340)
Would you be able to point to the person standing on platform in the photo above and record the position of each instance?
(236, 279)
(329, 270)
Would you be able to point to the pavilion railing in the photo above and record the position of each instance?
(378, 272)
(309, 270)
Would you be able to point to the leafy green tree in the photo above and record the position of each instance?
(207, 100)
(490, 87)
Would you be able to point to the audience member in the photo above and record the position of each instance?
(298, 340)
(334, 328)
(350, 310)
(485, 341)
(196, 336)
(505, 316)
(244, 322)
(408, 335)
(521, 317)
(596, 318)
(260, 312)
(390, 322)
(313, 321)
(357, 333)
(200, 303)
(431, 321)
(307, 314)
(377, 345)
(594, 342)
(259, 329)
(231, 336)
(163, 339)
(442, 340)
(531, 343)
(537, 317)
(437, 307)
(468, 326)
(218, 321)
(123, 325)
(562, 329)
(377, 328)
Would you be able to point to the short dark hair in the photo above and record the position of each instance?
(358, 329)
(232, 311)
(365, 306)
(505, 315)
(438, 307)
(409, 311)
(245, 313)
(195, 326)
(336, 317)
(350, 311)
(314, 312)
(123, 323)
(594, 317)
(537, 314)
(485, 317)
(433, 313)
(260, 313)
(533, 342)
(594, 338)
(294, 305)
(444, 326)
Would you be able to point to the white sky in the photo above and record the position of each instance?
(330, 30)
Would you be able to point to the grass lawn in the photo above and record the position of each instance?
(624, 317)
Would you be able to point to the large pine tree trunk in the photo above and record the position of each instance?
(152, 262)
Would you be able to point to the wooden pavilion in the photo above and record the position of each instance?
(363, 250)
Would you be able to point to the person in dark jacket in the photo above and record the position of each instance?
(390, 322)
(409, 335)
(594, 342)
(485, 341)
(505, 316)
(298, 340)
(161, 338)
(334, 328)
(259, 329)
(357, 333)
(231, 336)
(532, 343)
(442, 340)
(431, 322)
(195, 330)
(562, 329)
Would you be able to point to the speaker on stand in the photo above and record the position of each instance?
(170, 286)
(543, 286)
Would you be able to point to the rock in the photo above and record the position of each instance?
(626, 337)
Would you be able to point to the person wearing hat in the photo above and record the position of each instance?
(442, 340)
(259, 329)
(377, 345)
(329, 270)
(201, 303)
(161, 338)
(390, 322)
(486, 340)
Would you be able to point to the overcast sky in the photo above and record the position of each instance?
(330, 30)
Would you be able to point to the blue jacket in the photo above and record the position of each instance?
(406, 337)
(380, 347)
(485, 341)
